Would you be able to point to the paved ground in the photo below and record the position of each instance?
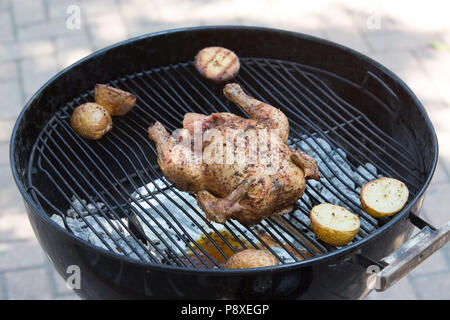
(40, 37)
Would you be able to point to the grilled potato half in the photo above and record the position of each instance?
(217, 64)
(334, 224)
(91, 121)
(116, 101)
(251, 258)
(384, 197)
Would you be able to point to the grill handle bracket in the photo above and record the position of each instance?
(412, 253)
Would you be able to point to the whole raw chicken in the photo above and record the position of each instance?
(239, 168)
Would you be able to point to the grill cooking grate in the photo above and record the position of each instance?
(66, 169)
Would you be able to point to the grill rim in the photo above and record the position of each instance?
(281, 267)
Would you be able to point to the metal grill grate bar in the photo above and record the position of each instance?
(82, 177)
(318, 130)
(191, 110)
(338, 115)
(314, 114)
(312, 249)
(123, 162)
(371, 129)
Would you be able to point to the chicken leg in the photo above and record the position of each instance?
(264, 113)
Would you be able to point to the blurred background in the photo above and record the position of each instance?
(38, 38)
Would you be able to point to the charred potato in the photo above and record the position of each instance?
(333, 224)
(384, 197)
(217, 64)
(251, 258)
(116, 101)
(91, 121)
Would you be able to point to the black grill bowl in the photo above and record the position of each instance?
(408, 150)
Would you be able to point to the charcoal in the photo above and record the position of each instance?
(165, 225)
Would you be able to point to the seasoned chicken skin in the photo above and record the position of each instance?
(239, 168)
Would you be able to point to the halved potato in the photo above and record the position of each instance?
(116, 101)
(91, 120)
(251, 258)
(334, 224)
(384, 197)
(217, 64)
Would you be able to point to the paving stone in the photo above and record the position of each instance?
(8, 70)
(445, 153)
(437, 67)
(67, 58)
(441, 174)
(3, 289)
(4, 4)
(13, 51)
(30, 284)
(439, 290)
(6, 127)
(399, 40)
(58, 9)
(445, 36)
(72, 48)
(173, 11)
(15, 226)
(28, 11)
(20, 255)
(69, 296)
(4, 155)
(11, 106)
(134, 30)
(214, 22)
(36, 71)
(10, 198)
(445, 161)
(93, 8)
(62, 291)
(336, 16)
(72, 41)
(446, 251)
(212, 13)
(44, 30)
(254, 12)
(434, 210)
(60, 283)
(394, 60)
(420, 83)
(439, 113)
(138, 12)
(107, 29)
(6, 26)
(402, 290)
(348, 37)
(391, 16)
(371, 18)
(418, 16)
(304, 20)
